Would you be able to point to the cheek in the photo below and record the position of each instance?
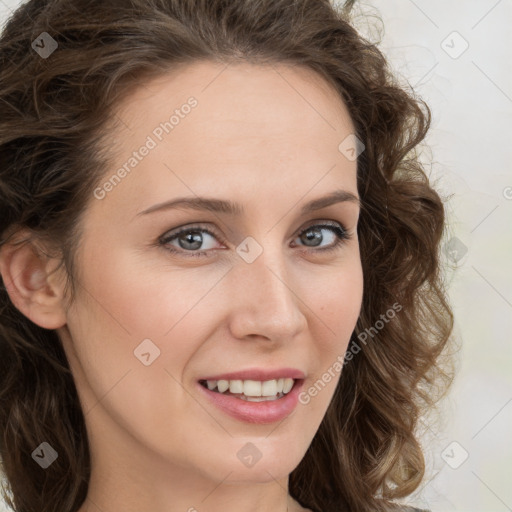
(130, 312)
(144, 299)
(334, 317)
(337, 305)
(118, 307)
(113, 332)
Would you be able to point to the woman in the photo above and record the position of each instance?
(220, 258)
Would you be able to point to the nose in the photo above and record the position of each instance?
(265, 301)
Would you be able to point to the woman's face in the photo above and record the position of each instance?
(240, 296)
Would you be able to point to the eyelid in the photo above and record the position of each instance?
(172, 233)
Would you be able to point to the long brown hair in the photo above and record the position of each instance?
(365, 453)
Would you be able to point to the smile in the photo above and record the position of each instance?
(252, 401)
(251, 390)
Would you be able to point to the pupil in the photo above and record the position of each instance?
(313, 234)
(195, 238)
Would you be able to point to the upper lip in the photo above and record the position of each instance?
(262, 374)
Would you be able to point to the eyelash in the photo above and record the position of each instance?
(338, 229)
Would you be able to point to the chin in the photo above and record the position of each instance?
(260, 474)
(268, 462)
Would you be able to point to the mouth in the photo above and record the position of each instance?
(264, 401)
(252, 390)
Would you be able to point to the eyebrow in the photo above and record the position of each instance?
(230, 208)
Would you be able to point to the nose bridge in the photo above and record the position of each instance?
(266, 303)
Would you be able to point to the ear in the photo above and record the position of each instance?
(33, 287)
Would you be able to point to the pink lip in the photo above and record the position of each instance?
(259, 374)
(254, 412)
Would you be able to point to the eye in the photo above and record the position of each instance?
(190, 239)
(313, 236)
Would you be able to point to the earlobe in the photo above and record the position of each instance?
(32, 287)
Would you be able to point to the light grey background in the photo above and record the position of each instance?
(468, 453)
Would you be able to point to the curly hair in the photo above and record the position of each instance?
(366, 452)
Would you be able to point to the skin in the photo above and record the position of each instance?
(264, 137)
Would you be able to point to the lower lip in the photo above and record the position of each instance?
(268, 411)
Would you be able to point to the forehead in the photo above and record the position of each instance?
(245, 99)
(251, 128)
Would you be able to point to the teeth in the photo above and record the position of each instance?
(253, 388)
(287, 385)
(236, 386)
(269, 388)
(222, 385)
